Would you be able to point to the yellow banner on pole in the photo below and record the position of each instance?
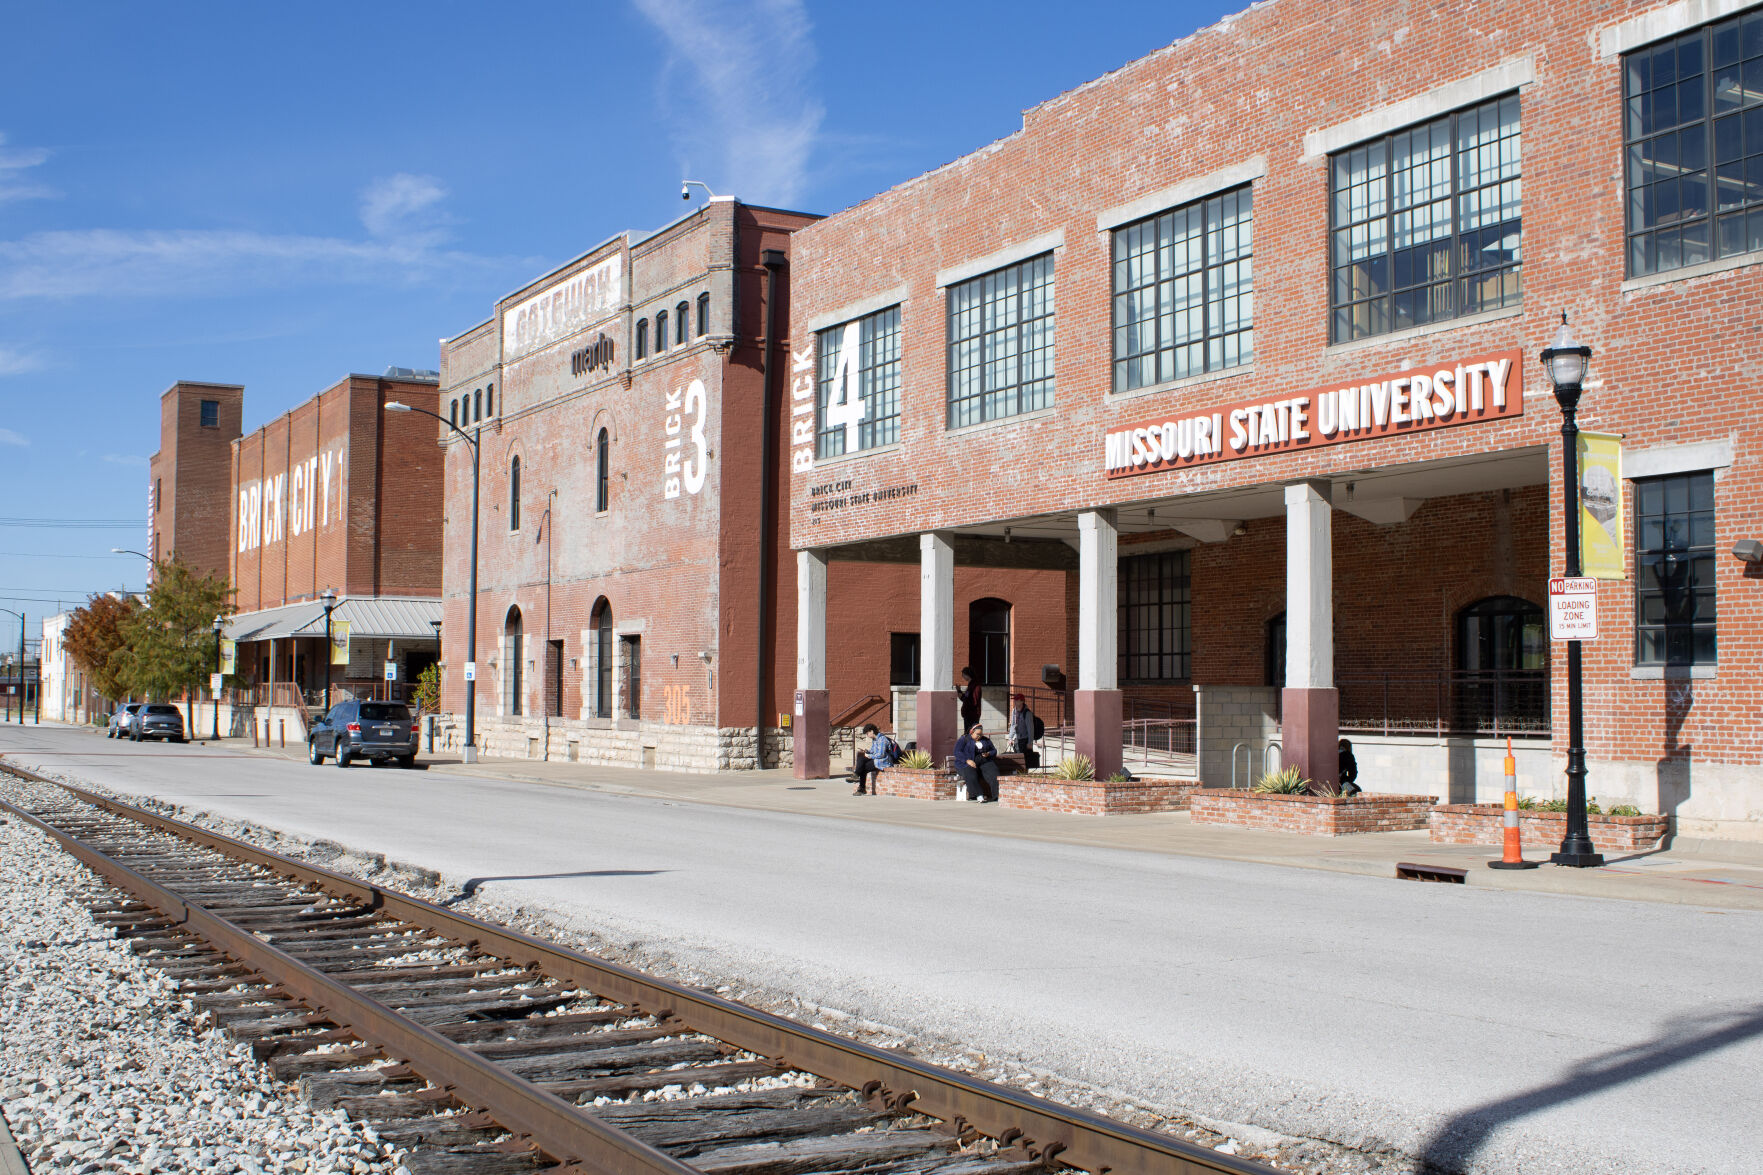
(339, 642)
(1602, 551)
(229, 657)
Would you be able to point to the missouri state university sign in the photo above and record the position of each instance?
(1432, 396)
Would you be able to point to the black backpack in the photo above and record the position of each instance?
(1040, 729)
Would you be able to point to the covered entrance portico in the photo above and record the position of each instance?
(1391, 600)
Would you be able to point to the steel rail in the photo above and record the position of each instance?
(1037, 1127)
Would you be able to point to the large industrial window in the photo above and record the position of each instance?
(602, 658)
(1425, 224)
(1001, 343)
(632, 648)
(1156, 637)
(1184, 300)
(211, 414)
(903, 658)
(513, 661)
(1691, 101)
(859, 383)
(1674, 570)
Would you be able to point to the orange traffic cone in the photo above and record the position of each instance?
(1513, 855)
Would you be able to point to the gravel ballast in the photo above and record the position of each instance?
(104, 1067)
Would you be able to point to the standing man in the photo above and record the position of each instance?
(1025, 729)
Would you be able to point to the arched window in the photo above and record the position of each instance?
(514, 494)
(661, 332)
(1502, 667)
(703, 315)
(682, 322)
(490, 400)
(453, 411)
(601, 658)
(988, 640)
(602, 473)
(513, 660)
(642, 338)
(478, 414)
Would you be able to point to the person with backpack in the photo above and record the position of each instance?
(1026, 729)
(883, 753)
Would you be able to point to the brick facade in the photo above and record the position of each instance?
(189, 480)
(1484, 824)
(1265, 98)
(1311, 815)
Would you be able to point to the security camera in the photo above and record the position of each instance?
(685, 192)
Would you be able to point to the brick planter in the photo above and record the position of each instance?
(928, 784)
(1484, 824)
(1311, 815)
(1043, 793)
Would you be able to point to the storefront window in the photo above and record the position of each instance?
(1001, 343)
(1674, 570)
(1184, 300)
(1425, 224)
(1156, 638)
(859, 383)
(1688, 101)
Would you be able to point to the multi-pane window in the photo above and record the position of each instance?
(1001, 343)
(1674, 561)
(1425, 224)
(642, 338)
(682, 322)
(1691, 101)
(859, 382)
(703, 315)
(1184, 299)
(211, 414)
(1156, 637)
(661, 332)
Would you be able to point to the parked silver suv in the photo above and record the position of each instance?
(119, 720)
(157, 720)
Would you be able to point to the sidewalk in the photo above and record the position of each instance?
(1721, 874)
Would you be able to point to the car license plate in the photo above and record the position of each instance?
(385, 732)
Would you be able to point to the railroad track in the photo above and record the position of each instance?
(483, 1050)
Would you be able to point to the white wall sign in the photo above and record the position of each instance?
(802, 411)
(563, 309)
(686, 468)
(1573, 609)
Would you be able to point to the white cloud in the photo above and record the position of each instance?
(16, 362)
(125, 459)
(403, 207)
(8, 437)
(748, 108)
(14, 184)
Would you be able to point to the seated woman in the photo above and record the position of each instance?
(976, 762)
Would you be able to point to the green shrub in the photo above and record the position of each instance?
(916, 761)
(1284, 782)
(1623, 810)
(1120, 777)
(1078, 767)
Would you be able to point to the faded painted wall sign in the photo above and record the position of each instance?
(563, 309)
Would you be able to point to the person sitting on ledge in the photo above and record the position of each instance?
(976, 762)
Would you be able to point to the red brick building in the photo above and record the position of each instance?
(633, 606)
(1249, 329)
(339, 496)
(188, 483)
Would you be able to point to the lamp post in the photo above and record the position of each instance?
(218, 622)
(469, 752)
(1565, 362)
(329, 596)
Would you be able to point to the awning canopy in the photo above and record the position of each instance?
(403, 617)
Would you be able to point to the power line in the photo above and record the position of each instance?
(72, 523)
(52, 555)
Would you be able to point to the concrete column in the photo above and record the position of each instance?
(810, 722)
(1310, 706)
(939, 717)
(1098, 700)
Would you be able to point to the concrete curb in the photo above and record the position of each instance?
(11, 1161)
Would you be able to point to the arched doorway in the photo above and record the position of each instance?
(988, 640)
(512, 663)
(1502, 666)
(601, 668)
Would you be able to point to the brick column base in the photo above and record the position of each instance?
(1098, 728)
(1310, 733)
(812, 760)
(939, 723)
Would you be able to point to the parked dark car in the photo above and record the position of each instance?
(157, 720)
(377, 731)
(120, 719)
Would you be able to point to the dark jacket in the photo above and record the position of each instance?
(1022, 727)
(1349, 767)
(968, 696)
(966, 748)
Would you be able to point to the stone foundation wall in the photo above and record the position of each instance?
(645, 745)
(1311, 815)
(1484, 824)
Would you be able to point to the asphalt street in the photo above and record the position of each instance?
(1532, 1032)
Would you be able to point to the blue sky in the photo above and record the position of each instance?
(279, 195)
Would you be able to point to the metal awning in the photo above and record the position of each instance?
(402, 617)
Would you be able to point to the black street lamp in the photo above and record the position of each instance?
(1565, 362)
(218, 621)
(329, 596)
(469, 752)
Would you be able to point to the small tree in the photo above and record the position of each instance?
(170, 642)
(428, 689)
(95, 638)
